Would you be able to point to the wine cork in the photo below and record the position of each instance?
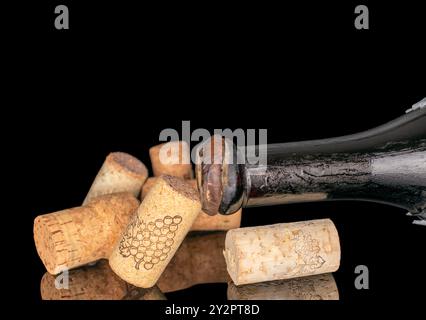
(282, 251)
(86, 283)
(317, 287)
(171, 158)
(198, 260)
(147, 186)
(162, 221)
(204, 222)
(73, 237)
(120, 172)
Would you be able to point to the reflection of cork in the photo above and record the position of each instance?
(135, 293)
(171, 158)
(318, 287)
(198, 260)
(120, 172)
(70, 238)
(86, 283)
(282, 251)
(204, 222)
(159, 227)
(93, 283)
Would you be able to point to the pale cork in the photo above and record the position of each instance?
(282, 251)
(198, 260)
(162, 221)
(204, 222)
(74, 237)
(98, 282)
(317, 287)
(120, 172)
(176, 161)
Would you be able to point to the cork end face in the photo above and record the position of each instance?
(334, 234)
(176, 151)
(128, 163)
(171, 158)
(44, 243)
(182, 187)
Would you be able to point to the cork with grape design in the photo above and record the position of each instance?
(155, 232)
(149, 243)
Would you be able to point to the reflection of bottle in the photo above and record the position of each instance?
(198, 260)
(318, 287)
(93, 283)
(386, 164)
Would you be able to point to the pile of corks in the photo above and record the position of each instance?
(138, 237)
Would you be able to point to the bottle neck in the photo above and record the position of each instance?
(395, 175)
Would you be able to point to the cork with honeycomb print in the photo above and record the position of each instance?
(155, 232)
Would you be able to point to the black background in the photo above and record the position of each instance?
(123, 72)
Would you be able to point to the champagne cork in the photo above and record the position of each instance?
(198, 260)
(171, 158)
(317, 287)
(282, 251)
(161, 223)
(120, 172)
(74, 237)
(86, 283)
(204, 222)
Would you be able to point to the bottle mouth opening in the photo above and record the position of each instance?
(220, 177)
(208, 171)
